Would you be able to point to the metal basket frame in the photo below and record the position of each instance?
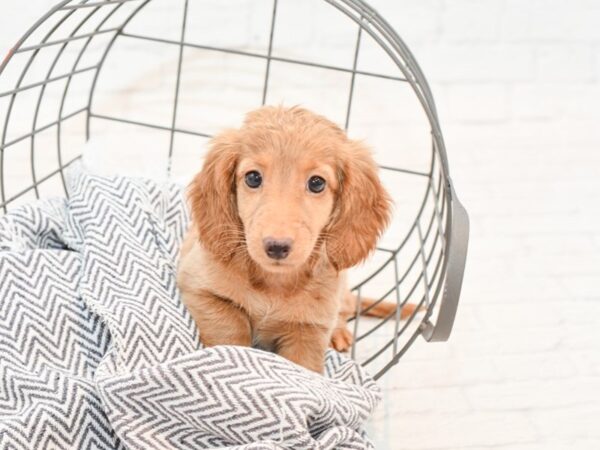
(449, 216)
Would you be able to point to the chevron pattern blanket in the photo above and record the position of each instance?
(98, 352)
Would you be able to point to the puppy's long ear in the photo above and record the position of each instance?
(362, 211)
(212, 197)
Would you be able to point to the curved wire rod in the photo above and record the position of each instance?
(41, 180)
(39, 102)
(18, 85)
(103, 59)
(45, 82)
(150, 125)
(68, 83)
(177, 85)
(93, 4)
(406, 325)
(259, 55)
(43, 128)
(66, 40)
(406, 272)
(422, 276)
(353, 77)
(269, 53)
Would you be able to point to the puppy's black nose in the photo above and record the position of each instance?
(277, 248)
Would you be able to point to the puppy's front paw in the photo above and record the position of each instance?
(341, 339)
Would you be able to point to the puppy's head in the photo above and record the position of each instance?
(282, 186)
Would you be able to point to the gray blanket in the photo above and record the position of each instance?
(97, 350)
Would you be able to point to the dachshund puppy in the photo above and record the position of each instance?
(281, 207)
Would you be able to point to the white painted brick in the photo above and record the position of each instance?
(540, 366)
(580, 443)
(538, 101)
(477, 62)
(580, 286)
(550, 20)
(567, 263)
(587, 362)
(423, 400)
(583, 101)
(597, 63)
(475, 103)
(543, 223)
(582, 313)
(506, 317)
(573, 422)
(427, 353)
(529, 142)
(492, 142)
(17, 17)
(540, 254)
(558, 444)
(576, 244)
(457, 372)
(467, 321)
(572, 62)
(516, 287)
(545, 101)
(415, 21)
(515, 20)
(471, 20)
(513, 342)
(456, 431)
(527, 395)
(580, 337)
(564, 21)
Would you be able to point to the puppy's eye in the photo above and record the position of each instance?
(316, 184)
(253, 179)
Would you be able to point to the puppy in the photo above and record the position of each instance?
(281, 208)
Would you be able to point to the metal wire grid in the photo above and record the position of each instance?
(419, 281)
(440, 228)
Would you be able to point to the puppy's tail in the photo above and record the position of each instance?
(370, 307)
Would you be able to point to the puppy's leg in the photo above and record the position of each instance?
(304, 344)
(220, 321)
(341, 338)
(384, 309)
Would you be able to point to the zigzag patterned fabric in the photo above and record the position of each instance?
(97, 350)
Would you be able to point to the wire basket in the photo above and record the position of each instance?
(155, 79)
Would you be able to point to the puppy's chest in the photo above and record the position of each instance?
(309, 305)
(315, 300)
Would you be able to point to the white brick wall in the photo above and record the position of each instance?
(517, 84)
(542, 56)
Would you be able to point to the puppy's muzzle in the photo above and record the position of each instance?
(277, 248)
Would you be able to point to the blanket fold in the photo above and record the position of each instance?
(98, 351)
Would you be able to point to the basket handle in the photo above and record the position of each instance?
(457, 255)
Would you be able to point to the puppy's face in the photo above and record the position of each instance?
(285, 197)
(285, 185)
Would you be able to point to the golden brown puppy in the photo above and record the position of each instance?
(281, 207)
